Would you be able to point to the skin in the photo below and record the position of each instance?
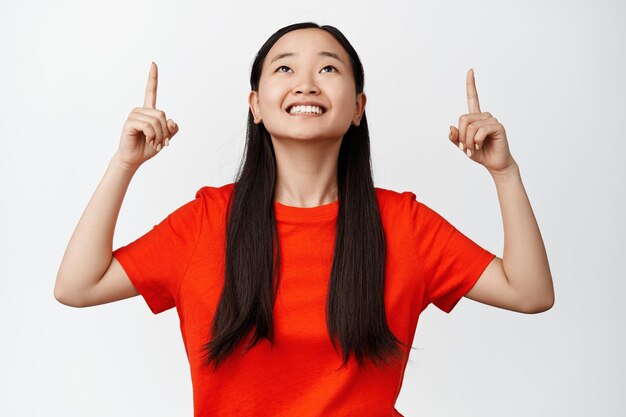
(521, 280)
(307, 147)
(89, 275)
(147, 130)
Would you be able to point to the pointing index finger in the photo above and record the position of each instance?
(149, 101)
(472, 94)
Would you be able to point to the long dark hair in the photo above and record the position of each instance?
(355, 310)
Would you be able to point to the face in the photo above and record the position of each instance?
(307, 66)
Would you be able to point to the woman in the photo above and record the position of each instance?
(300, 282)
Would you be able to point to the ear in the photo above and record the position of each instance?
(253, 102)
(361, 99)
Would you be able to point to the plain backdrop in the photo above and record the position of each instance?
(552, 72)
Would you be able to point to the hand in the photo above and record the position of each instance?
(480, 135)
(146, 131)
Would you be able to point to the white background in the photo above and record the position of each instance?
(551, 72)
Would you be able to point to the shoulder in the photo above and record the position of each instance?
(398, 209)
(405, 209)
(215, 195)
(395, 200)
(214, 201)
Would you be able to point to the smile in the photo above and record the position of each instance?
(306, 110)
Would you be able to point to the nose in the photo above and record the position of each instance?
(306, 85)
(310, 90)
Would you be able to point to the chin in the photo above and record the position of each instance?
(307, 135)
(312, 137)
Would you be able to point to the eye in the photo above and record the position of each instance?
(279, 69)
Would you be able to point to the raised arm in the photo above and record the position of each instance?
(89, 274)
(520, 280)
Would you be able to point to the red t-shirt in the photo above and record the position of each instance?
(180, 263)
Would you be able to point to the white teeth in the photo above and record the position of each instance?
(305, 109)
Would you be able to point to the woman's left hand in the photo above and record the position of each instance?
(480, 135)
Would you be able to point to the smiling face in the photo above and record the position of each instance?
(307, 66)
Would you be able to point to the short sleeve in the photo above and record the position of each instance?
(157, 261)
(451, 262)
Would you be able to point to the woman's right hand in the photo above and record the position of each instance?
(146, 131)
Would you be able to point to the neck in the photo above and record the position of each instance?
(306, 172)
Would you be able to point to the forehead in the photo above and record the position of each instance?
(308, 41)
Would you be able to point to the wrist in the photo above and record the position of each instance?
(117, 163)
(511, 170)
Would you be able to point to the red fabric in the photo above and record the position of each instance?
(180, 263)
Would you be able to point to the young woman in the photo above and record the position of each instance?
(301, 283)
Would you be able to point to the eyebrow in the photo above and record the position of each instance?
(322, 53)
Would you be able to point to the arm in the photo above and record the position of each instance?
(89, 274)
(521, 280)
(524, 264)
(88, 253)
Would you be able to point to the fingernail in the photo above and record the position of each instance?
(167, 142)
(469, 152)
(174, 124)
(476, 146)
(461, 145)
(159, 147)
(152, 143)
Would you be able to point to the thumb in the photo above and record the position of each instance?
(172, 127)
(454, 135)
